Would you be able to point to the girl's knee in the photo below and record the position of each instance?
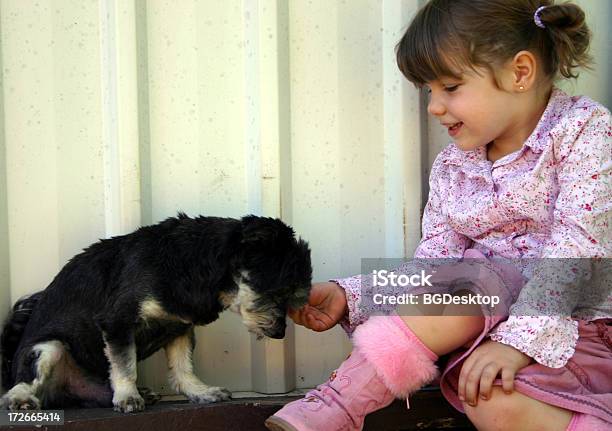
(516, 411)
(444, 334)
(500, 412)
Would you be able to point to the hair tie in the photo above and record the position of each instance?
(536, 17)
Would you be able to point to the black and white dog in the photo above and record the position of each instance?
(77, 342)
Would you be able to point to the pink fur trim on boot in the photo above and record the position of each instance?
(403, 362)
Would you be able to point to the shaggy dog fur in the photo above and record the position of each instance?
(77, 342)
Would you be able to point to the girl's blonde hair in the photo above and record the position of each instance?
(448, 36)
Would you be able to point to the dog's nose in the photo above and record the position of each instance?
(278, 331)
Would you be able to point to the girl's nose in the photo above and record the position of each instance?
(435, 107)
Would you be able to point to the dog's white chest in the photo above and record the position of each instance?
(151, 309)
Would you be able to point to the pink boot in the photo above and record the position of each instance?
(340, 404)
(399, 365)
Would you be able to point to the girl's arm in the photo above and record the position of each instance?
(540, 324)
(438, 240)
(355, 313)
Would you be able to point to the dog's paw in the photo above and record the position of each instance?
(211, 394)
(128, 403)
(149, 396)
(25, 401)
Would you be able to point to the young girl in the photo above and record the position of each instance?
(526, 176)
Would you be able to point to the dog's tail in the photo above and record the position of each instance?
(11, 334)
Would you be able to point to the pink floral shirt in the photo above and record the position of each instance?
(550, 199)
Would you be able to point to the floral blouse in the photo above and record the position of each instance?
(550, 199)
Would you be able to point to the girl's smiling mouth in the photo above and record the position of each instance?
(454, 129)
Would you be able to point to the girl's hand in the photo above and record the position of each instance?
(326, 306)
(482, 367)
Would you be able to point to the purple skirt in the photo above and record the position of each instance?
(583, 385)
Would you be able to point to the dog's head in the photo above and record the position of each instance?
(275, 274)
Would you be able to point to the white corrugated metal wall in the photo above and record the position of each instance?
(120, 113)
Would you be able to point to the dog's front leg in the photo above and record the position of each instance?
(183, 380)
(121, 353)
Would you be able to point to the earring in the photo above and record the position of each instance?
(521, 87)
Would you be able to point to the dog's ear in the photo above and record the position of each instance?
(264, 229)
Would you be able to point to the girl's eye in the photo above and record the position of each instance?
(451, 88)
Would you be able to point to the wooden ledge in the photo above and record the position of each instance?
(429, 411)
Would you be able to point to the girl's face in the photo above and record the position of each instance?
(473, 109)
